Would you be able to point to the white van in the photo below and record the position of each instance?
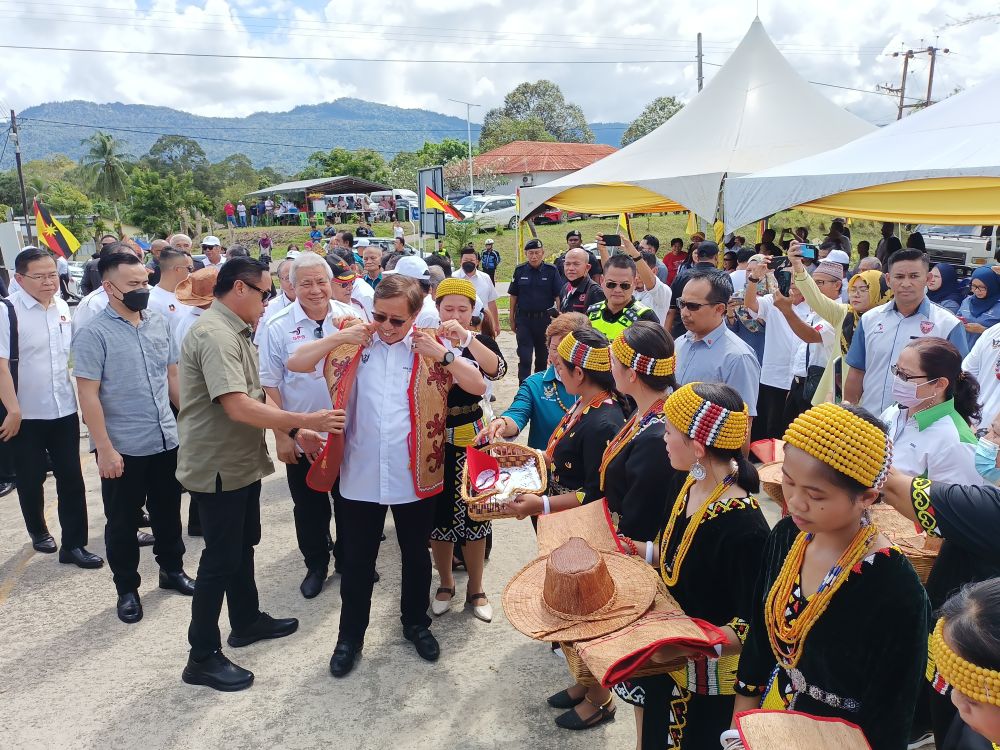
(398, 193)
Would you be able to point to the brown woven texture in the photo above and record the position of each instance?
(588, 522)
(481, 506)
(770, 479)
(635, 586)
(921, 550)
(790, 730)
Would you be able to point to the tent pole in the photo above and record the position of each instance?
(701, 77)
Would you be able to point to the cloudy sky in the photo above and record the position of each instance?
(609, 57)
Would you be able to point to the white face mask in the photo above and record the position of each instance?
(558, 376)
(905, 392)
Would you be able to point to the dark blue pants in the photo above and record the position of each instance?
(531, 343)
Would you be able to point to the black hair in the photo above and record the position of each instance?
(292, 246)
(916, 242)
(109, 263)
(722, 395)
(345, 255)
(114, 237)
(621, 261)
(652, 241)
(677, 241)
(347, 237)
(172, 253)
(767, 235)
(237, 251)
(441, 261)
(30, 255)
(594, 338)
(850, 485)
(909, 253)
(706, 249)
(114, 247)
(940, 359)
(652, 340)
(719, 281)
(864, 245)
(745, 254)
(469, 250)
(972, 619)
(246, 270)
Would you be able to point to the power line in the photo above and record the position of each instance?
(4, 151)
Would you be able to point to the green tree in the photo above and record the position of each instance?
(10, 189)
(363, 163)
(544, 100)
(175, 153)
(507, 130)
(157, 201)
(403, 167)
(104, 166)
(657, 112)
(71, 205)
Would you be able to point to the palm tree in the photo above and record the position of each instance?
(104, 164)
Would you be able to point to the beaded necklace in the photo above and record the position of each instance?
(633, 427)
(569, 420)
(788, 639)
(672, 574)
(554, 392)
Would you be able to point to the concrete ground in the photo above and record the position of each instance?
(74, 675)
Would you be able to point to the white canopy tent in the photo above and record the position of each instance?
(937, 166)
(756, 112)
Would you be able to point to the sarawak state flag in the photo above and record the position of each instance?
(433, 200)
(52, 234)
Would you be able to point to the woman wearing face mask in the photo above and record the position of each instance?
(452, 525)
(988, 453)
(935, 404)
(943, 287)
(839, 623)
(981, 309)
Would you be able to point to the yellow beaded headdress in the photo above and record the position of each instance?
(452, 285)
(640, 362)
(710, 424)
(586, 357)
(844, 442)
(978, 683)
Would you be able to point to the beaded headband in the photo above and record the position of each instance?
(640, 362)
(978, 683)
(843, 441)
(586, 357)
(452, 285)
(710, 424)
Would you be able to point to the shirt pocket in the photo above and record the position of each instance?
(66, 334)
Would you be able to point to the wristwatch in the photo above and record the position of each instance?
(448, 358)
(293, 432)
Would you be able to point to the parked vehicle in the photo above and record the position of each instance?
(384, 244)
(557, 216)
(491, 211)
(962, 246)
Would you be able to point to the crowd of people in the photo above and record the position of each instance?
(643, 377)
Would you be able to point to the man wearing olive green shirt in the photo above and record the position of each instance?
(221, 461)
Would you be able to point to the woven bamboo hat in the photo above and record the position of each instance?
(577, 593)
(791, 730)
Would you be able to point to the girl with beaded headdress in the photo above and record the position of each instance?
(839, 624)
(708, 551)
(634, 473)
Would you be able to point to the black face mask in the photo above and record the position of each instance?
(135, 300)
(468, 266)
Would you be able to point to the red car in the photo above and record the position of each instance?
(557, 216)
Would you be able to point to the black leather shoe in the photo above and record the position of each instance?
(43, 543)
(345, 656)
(178, 581)
(312, 584)
(264, 628)
(144, 539)
(129, 607)
(80, 557)
(217, 672)
(6, 488)
(425, 642)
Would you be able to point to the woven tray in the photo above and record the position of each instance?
(578, 670)
(482, 507)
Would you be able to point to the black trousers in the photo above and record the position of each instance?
(60, 439)
(531, 343)
(230, 524)
(769, 422)
(150, 478)
(312, 516)
(360, 529)
(796, 402)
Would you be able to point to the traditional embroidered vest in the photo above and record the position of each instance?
(428, 396)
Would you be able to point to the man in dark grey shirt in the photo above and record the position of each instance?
(125, 363)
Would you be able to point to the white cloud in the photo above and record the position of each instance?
(839, 43)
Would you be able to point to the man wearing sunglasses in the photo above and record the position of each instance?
(222, 459)
(212, 248)
(620, 309)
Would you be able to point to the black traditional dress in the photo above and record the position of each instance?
(863, 659)
(577, 446)
(462, 424)
(690, 708)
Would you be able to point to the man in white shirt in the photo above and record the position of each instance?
(485, 289)
(416, 268)
(983, 363)
(780, 344)
(649, 290)
(212, 247)
(40, 407)
(175, 266)
(284, 298)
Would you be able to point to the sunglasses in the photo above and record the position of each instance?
(208, 247)
(623, 285)
(318, 331)
(693, 306)
(265, 294)
(382, 318)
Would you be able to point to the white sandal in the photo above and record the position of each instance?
(483, 612)
(440, 606)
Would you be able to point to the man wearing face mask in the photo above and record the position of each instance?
(484, 287)
(133, 430)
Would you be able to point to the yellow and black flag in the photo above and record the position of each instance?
(52, 234)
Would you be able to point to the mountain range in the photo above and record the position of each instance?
(283, 140)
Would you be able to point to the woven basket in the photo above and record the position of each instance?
(921, 550)
(481, 506)
(770, 480)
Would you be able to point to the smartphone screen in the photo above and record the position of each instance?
(784, 279)
(613, 240)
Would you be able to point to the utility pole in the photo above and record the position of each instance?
(20, 174)
(907, 56)
(932, 52)
(468, 128)
(701, 77)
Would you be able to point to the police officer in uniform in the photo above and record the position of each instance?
(574, 240)
(620, 308)
(579, 292)
(534, 294)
